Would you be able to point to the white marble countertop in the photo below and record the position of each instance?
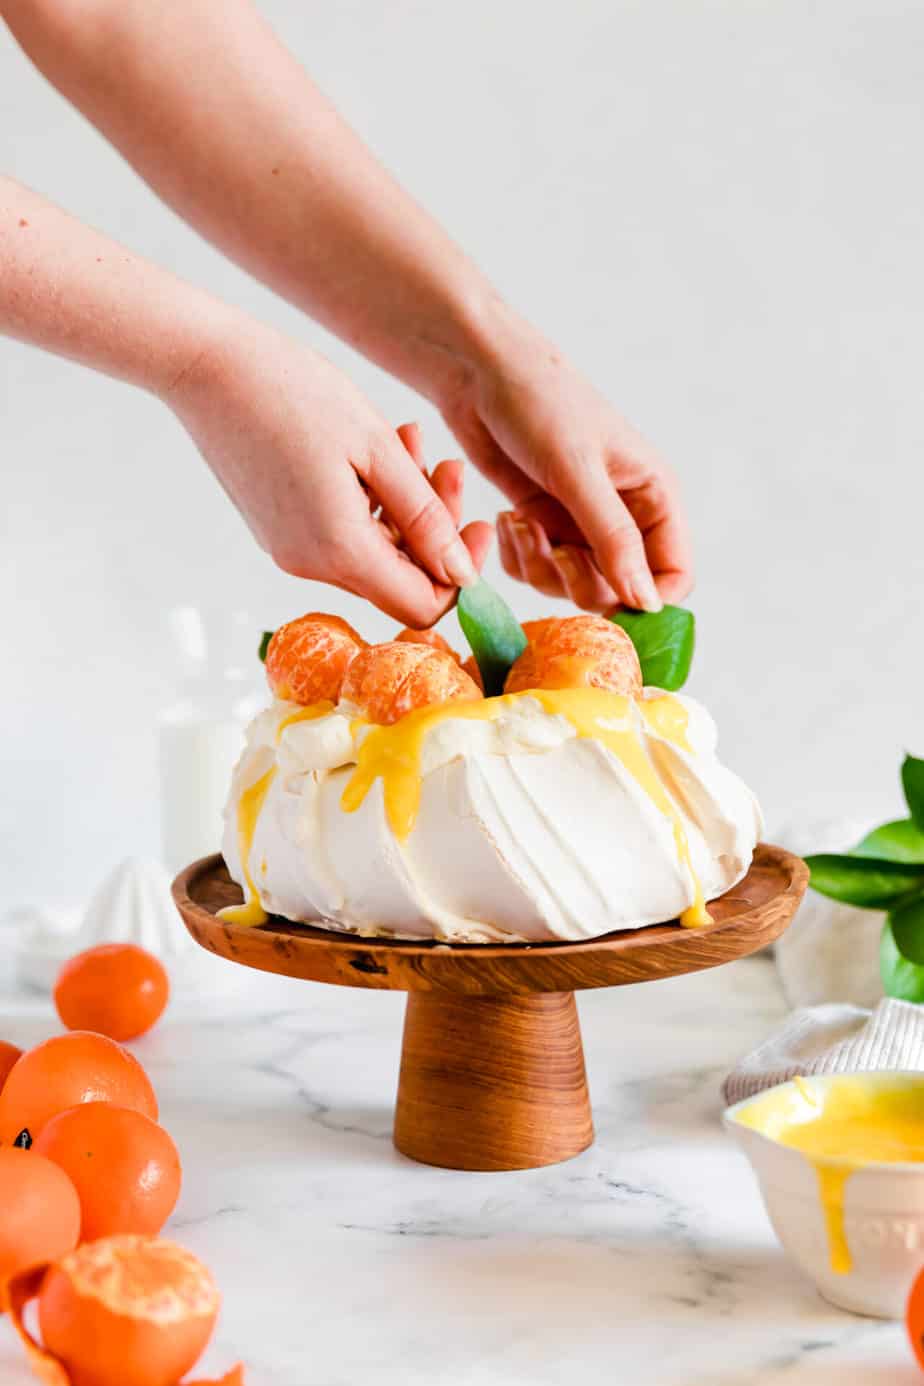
(647, 1261)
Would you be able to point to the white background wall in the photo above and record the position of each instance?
(714, 205)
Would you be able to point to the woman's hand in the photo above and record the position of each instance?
(326, 486)
(597, 515)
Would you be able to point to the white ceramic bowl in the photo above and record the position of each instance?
(883, 1209)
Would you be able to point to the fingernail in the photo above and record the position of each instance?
(520, 528)
(566, 565)
(646, 594)
(459, 566)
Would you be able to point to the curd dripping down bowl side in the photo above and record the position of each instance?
(883, 1209)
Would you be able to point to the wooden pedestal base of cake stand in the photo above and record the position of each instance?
(492, 1068)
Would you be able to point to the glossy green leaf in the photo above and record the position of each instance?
(900, 978)
(264, 644)
(907, 921)
(493, 632)
(900, 840)
(913, 785)
(866, 881)
(663, 641)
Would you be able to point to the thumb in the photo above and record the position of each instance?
(424, 523)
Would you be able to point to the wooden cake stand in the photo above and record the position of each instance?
(492, 1068)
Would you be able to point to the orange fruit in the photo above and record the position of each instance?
(307, 659)
(385, 682)
(534, 630)
(427, 637)
(8, 1056)
(577, 652)
(914, 1318)
(127, 1311)
(124, 1166)
(470, 666)
(117, 989)
(65, 1071)
(39, 1214)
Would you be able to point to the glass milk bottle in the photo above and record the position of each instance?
(201, 735)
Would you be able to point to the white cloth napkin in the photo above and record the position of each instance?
(832, 1039)
(830, 952)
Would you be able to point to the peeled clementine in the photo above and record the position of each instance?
(65, 1071)
(470, 666)
(307, 659)
(534, 630)
(384, 682)
(427, 637)
(8, 1056)
(124, 1166)
(39, 1214)
(577, 652)
(127, 1311)
(118, 989)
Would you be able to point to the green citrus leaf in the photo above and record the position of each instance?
(913, 785)
(907, 923)
(900, 840)
(866, 881)
(493, 632)
(264, 644)
(900, 978)
(664, 643)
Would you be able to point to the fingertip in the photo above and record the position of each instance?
(412, 438)
(447, 480)
(508, 555)
(478, 536)
(644, 594)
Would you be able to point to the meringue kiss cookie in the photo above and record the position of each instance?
(538, 815)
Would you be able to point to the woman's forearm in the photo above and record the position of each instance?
(297, 448)
(223, 122)
(72, 291)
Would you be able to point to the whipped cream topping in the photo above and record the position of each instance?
(551, 814)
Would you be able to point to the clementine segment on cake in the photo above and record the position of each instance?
(534, 630)
(577, 652)
(307, 659)
(427, 637)
(470, 666)
(385, 682)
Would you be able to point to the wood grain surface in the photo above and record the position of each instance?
(492, 1083)
(751, 915)
(492, 1066)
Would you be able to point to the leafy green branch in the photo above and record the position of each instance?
(886, 872)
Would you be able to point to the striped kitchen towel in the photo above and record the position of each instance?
(832, 1039)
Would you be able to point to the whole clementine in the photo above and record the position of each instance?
(118, 989)
(914, 1318)
(8, 1056)
(39, 1214)
(127, 1311)
(65, 1071)
(124, 1166)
